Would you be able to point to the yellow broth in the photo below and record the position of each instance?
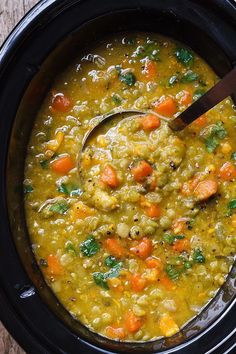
(142, 239)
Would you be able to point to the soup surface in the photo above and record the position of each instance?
(142, 238)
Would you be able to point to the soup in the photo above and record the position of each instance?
(137, 240)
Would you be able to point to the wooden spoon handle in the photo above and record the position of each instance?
(211, 98)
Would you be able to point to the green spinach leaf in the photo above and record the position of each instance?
(28, 188)
(90, 246)
(59, 207)
(184, 56)
(128, 78)
(100, 280)
(69, 189)
(189, 76)
(198, 256)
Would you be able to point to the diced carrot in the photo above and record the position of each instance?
(62, 165)
(227, 171)
(114, 247)
(200, 122)
(152, 185)
(181, 245)
(168, 326)
(186, 97)
(141, 170)
(205, 189)
(152, 262)
(166, 106)
(153, 211)
(115, 332)
(167, 283)
(80, 211)
(109, 177)
(150, 70)
(179, 225)
(143, 249)
(60, 103)
(54, 266)
(189, 186)
(132, 322)
(137, 283)
(150, 122)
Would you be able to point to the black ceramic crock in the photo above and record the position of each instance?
(42, 44)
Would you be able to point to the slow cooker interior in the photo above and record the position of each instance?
(43, 73)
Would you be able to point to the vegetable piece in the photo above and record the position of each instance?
(166, 106)
(153, 211)
(232, 204)
(233, 155)
(90, 246)
(150, 122)
(167, 283)
(69, 189)
(62, 165)
(205, 189)
(70, 248)
(150, 69)
(59, 207)
(168, 326)
(116, 99)
(149, 50)
(141, 170)
(154, 263)
(100, 279)
(184, 56)
(115, 332)
(54, 266)
(132, 322)
(81, 211)
(227, 171)
(28, 188)
(181, 245)
(114, 247)
(128, 78)
(173, 79)
(109, 177)
(170, 239)
(185, 97)
(111, 262)
(217, 132)
(172, 272)
(143, 249)
(200, 122)
(44, 164)
(198, 256)
(61, 103)
(179, 225)
(137, 283)
(189, 76)
(53, 145)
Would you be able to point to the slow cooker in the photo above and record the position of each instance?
(43, 43)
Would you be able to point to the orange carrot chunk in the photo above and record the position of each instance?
(181, 245)
(132, 322)
(109, 177)
(114, 247)
(150, 70)
(143, 249)
(166, 106)
(137, 283)
(150, 122)
(54, 266)
(167, 283)
(154, 263)
(205, 189)
(153, 211)
(63, 164)
(61, 103)
(227, 171)
(201, 121)
(141, 170)
(115, 332)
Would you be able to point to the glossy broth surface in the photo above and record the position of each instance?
(142, 239)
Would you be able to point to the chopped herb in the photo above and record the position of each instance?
(148, 50)
(113, 272)
(189, 76)
(198, 93)
(28, 188)
(128, 78)
(187, 265)
(170, 239)
(198, 256)
(173, 80)
(44, 164)
(43, 262)
(217, 133)
(172, 272)
(69, 189)
(111, 261)
(71, 248)
(90, 246)
(116, 99)
(233, 155)
(59, 207)
(184, 56)
(100, 280)
(232, 204)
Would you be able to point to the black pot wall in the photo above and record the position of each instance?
(40, 47)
